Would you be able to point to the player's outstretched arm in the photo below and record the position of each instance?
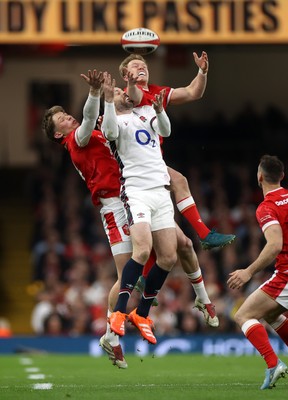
(195, 90)
(109, 123)
(133, 90)
(91, 107)
(163, 127)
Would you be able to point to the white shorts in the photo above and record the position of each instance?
(115, 225)
(153, 206)
(277, 288)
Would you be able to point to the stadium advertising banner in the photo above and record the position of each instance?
(208, 345)
(178, 21)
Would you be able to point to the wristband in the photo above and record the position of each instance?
(200, 71)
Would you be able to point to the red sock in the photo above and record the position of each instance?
(188, 209)
(149, 264)
(281, 328)
(257, 335)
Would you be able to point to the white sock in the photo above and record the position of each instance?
(112, 338)
(185, 203)
(197, 282)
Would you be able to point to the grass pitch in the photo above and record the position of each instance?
(147, 378)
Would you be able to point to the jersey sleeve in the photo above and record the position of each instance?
(266, 216)
(109, 125)
(90, 115)
(162, 126)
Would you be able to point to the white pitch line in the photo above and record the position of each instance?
(25, 361)
(32, 374)
(43, 386)
(36, 376)
(193, 386)
(32, 369)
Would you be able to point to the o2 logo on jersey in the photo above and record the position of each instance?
(144, 138)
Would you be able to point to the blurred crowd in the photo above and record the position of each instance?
(72, 266)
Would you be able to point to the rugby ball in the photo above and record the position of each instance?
(140, 41)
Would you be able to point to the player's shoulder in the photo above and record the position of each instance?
(156, 88)
(97, 138)
(277, 195)
(273, 200)
(98, 134)
(283, 191)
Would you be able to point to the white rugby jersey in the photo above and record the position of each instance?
(135, 143)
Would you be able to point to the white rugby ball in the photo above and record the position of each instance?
(140, 41)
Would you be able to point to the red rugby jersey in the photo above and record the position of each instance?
(96, 165)
(149, 95)
(274, 210)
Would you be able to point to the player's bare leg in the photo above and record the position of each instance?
(255, 308)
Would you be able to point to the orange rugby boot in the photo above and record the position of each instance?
(117, 322)
(144, 325)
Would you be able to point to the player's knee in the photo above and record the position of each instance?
(167, 261)
(184, 244)
(141, 255)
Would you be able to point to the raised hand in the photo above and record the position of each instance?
(131, 79)
(202, 61)
(94, 78)
(158, 101)
(108, 87)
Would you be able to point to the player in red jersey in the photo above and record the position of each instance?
(91, 156)
(143, 93)
(270, 300)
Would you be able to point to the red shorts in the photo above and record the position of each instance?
(277, 288)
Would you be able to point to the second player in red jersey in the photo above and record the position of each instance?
(91, 156)
(270, 301)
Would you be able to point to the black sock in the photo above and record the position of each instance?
(154, 281)
(130, 275)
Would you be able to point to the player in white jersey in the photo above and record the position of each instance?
(150, 211)
(142, 163)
